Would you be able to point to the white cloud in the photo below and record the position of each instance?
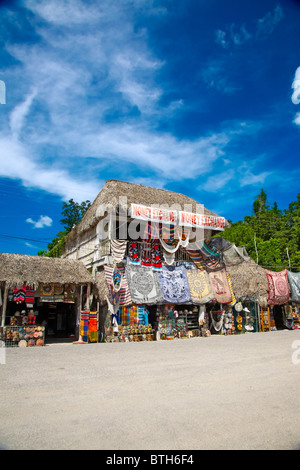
(250, 178)
(266, 25)
(217, 182)
(297, 119)
(296, 86)
(19, 113)
(44, 221)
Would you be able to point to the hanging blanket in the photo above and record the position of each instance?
(200, 286)
(220, 285)
(19, 294)
(129, 315)
(118, 249)
(174, 285)
(134, 257)
(294, 281)
(92, 332)
(233, 299)
(29, 297)
(110, 276)
(84, 325)
(279, 292)
(203, 256)
(143, 285)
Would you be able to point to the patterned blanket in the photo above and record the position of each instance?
(174, 285)
(143, 285)
(294, 281)
(220, 285)
(279, 292)
(123, 289)
(200, 286)
(118, 250)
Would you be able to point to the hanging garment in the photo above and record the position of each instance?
(203, 256)
(19, 294)
(134, 257)
(143, 285)
(279, 292)
(174, 285)
(233, 299)
(200, 286)
(156, 258)
(84, 325)
(294, 282)
(92, 331)
(110, 271)
(220, 285)
(118, 250)
(29, 296)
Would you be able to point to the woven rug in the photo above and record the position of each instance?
(200, 286)
(143, 285)
(220, 285)
(84, 324)
(294, 282)
(279, 291)
(125, 298)
(92, 324)
(118, 250)
(174, 285)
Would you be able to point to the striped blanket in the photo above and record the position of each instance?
(125, 298)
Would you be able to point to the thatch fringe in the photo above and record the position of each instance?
(15, 269)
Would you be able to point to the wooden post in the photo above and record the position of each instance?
(4, 305)
(88, 293)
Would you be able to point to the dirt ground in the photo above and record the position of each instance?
(221, 392)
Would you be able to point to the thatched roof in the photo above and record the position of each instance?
(100, 289)
(16, 269)
(249, 281)
(117, 193)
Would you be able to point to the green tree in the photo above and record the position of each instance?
(72, 213)
(277, 234)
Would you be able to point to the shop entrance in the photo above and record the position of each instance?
(59, 319)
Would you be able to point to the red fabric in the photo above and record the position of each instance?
(279, 291)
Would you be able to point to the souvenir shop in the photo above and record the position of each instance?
(35, 313)
(155, 296)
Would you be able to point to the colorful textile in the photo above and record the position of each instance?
(125, 298)
(19, 294)
(84, 325)
(279, 292)
(156, 258)
(143, 315)
(174, 284)
(200, 286)
(129, 315)
(46, 289)
(294, 282)
(118, 249)
(29, 296)
(233, 299)
(143, 285)
(220, 285)
(92, 331)
(69, 293)
(203, 256)
(134, 257)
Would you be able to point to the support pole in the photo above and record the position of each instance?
(4, 305)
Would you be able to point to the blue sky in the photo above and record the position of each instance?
(196, 96)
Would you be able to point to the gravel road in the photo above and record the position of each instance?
(220, 392)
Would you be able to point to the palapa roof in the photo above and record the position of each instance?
(16, 269)
(115, 193)
(249, 281)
